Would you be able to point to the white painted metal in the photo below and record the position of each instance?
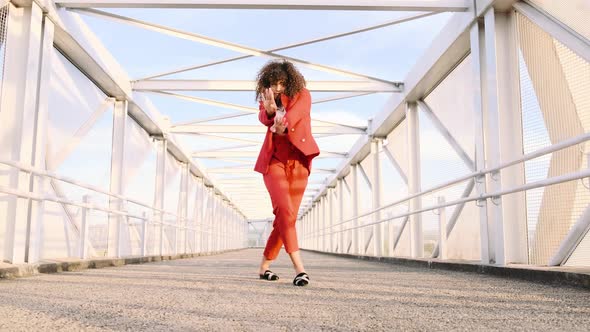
(341, 235)
(245, 109)
(442, 229)
(375, 5)
(511, 139)
(568, 37)
(161, 151)
(492, 135)
(414, 181)
(83, 240)
(223, 44)
(282, 48)
(257, 129)
(143, 235)
(252, 154)
(68, 147)
(116, 225)
(478, 62)
(18, 119)
(447, 135)
(571, 241)
(40, 184)
(376, 188)
(356, 235)
(233, 85)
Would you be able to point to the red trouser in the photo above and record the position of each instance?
(285, 183)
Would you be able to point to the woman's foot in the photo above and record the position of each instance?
(302, 279)
(269, 275)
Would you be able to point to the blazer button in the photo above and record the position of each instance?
(292, 129)
(303, 140)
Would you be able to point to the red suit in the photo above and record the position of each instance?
(285, 162)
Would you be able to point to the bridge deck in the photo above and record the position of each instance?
(223, 292)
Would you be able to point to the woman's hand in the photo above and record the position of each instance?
(280, 127)
(268, 100)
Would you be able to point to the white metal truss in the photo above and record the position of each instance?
(247, 110)
(375, 5)
(223, 44)
(233, 85)
(282, 48)
(254, 154)
(255, 129)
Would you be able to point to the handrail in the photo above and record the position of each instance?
(52, 175)
(531, 155)
(29, 195)
(529, 186)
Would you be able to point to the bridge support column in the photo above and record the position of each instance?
(479, 86)
(356, 233)
(28, 46)
(162, 150)
(118, 229)
(341, 234)
(376, 179)
(414, 180)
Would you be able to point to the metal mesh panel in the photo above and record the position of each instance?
(554, 84)
(3, 29)
(574, 13)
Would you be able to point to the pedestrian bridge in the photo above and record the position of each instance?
(452, 134)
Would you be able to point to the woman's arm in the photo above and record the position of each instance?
(263, 116)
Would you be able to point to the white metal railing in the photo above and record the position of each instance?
(215, 240)
(478, 175)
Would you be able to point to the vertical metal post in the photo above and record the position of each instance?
(123, 223)
(162, 150)
(116, 178)
(184, 185)
(511, 138)
(144, 224)
(376, 145)
(40, 184)
(316, 225)
(442, 229)
(83, 241)
(478, 62)
(492, 133)
(341, 214)
(414, 180)
(356, 235)
(18, 122)
(331, 230)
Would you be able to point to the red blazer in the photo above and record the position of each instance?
(298, 118)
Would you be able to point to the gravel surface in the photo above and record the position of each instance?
(223, 293)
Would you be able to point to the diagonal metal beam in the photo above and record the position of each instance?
(374, 5)
(249, 110)
(254, 154)
(245, 85)
(256, 129)
(250, 170)
(442, 129)
(229, 139)
(223, 44)
(282, 48)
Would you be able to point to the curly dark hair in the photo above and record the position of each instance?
(279, 70)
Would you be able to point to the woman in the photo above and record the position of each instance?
(285, 157)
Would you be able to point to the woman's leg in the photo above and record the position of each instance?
(298, 183)
(278, 188)
(286, 188)
(297, 262)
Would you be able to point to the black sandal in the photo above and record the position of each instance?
(269, 275)
(302, 279)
